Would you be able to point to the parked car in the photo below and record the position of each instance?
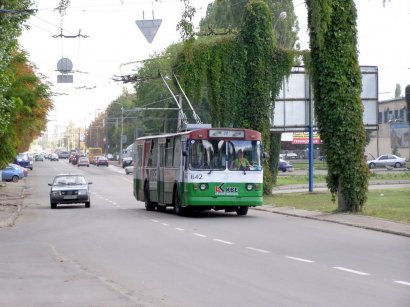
(69, 189)
(387, 160)
(110, 157)
(83, 161)
(285, 166)
(23, 160)
(23, 169)
(126, 161)
(291, 155)
(53, 157)
(101, 160)
(129, 169)
(12, 173)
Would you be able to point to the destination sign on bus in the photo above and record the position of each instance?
(226, 133)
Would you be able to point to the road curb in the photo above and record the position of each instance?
(332, 218)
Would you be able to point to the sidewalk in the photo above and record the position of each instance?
(11, 201)
(12, 196)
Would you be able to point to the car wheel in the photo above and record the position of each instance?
(87, 204)
(149, 205)
(15, 178)
(372, 165)
(397, 165)
(242, 210)
(53, 205)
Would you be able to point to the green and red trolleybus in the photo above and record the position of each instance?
(198, 170)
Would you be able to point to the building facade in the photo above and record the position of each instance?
(393, 135)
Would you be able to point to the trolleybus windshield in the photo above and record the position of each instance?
(218, 155)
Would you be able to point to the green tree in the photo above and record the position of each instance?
(337, 87)
(228, 14)
(238, 74)
(10, 28)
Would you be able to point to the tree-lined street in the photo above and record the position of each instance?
(118, 254)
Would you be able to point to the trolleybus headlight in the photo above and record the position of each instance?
(203, 186)
(249, 186)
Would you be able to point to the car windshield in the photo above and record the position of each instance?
(69, 180)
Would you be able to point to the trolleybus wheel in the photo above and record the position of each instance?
(242, 210)
(179, 210)
(149, 205)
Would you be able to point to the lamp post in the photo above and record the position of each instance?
(122, 131)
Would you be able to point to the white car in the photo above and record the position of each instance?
(387, 160)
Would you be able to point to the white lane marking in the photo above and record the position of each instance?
(258, 250)
(114, 203)
(118, 206)
(300, 259)
(350, 271)
(223, 241)
(199, 235)
(401, 282)
(155, 221)
(179, 229)
(165, 224)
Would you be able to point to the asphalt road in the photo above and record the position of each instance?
(117, 254)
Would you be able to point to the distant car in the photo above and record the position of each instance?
(126, 161)
(387, 160)
(53, 157)
(12, 173)
(110, 157)
(285, 166)
(101, 160)
(129, 169)
(83, 161)
(69, 189)
(39, 158)
(291, 155)
(63, 155)
(23, 160)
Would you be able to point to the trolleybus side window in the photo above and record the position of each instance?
(153, 153)
(169, 152)
(177, 151)
(139, 155)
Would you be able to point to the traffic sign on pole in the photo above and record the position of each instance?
(149, 28)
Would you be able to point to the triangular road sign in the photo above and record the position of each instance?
(149, 28)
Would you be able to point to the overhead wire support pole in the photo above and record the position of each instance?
(196, 116)
(183, 116)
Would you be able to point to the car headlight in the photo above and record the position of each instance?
(56, 193)
(82, 192)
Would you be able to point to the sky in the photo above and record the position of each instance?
(115, 44)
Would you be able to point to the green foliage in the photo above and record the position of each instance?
(238, 75)
(24, 99)
(228, 14)
(337, 86)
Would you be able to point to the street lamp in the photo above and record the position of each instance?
(122, 129)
